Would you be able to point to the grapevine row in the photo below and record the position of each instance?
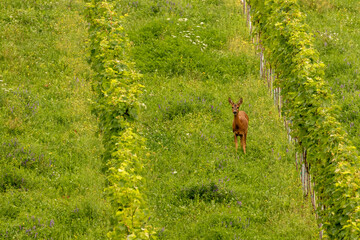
(309, 108)
(117, 88)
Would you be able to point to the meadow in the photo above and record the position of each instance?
(51, 183)
(193, 56)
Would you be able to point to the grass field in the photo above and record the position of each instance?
(193, 56)
(51, 182)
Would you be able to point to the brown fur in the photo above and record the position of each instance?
(240, 124)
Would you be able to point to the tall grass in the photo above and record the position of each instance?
(50, 168)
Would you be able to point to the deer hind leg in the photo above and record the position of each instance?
(243, 142)
(236, 142)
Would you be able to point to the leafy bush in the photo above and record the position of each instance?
(336, 39)
(309, 104)
(117, 88)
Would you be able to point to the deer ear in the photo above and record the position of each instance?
(230, 101)
(240, 101)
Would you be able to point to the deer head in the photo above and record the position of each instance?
(235, 107)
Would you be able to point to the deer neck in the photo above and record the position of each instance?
(237, 117)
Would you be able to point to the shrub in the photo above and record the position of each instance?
(309, 104)
(117, 88)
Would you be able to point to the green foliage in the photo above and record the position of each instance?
(117, 87)
(337, 40)
(309, 104)
(51, 183)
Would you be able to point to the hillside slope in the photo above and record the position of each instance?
(51, 182)
(193, 57)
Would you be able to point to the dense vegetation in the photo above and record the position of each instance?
(117, 87)
(336, 28)
(193, 55)
(314, 114)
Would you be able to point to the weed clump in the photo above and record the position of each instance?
(207, 193)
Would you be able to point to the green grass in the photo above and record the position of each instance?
(194, 56)
(51, 184)
(335, 24)
(198, 184)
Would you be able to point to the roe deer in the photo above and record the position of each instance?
(240, 124)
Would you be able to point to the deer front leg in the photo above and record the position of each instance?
(236, 142)
(243, 142)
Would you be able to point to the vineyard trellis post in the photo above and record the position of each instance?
(269, 74)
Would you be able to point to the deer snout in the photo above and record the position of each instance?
(234, 112)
